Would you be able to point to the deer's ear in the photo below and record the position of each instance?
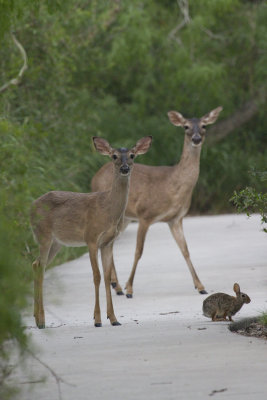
(236, 288)
(176, 118)
(102, 146)
(142, 145)
(211, 117)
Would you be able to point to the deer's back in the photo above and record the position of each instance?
(69, 217)
(152, 193)
(60, 201)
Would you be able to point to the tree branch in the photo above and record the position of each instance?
(236, 120)
(184, 8)
(211, 34)
(17, 80)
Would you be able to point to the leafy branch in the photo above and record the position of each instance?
(249, 201)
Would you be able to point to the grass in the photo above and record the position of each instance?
(263, 319)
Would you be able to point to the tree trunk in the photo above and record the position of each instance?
(226, 126)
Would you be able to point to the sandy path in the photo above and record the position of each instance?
(165, 349)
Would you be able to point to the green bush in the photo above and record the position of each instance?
(14, 289)
(249, 200)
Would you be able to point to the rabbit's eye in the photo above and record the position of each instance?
(243, 295)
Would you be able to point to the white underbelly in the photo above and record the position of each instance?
(71, 243)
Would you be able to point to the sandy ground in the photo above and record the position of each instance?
(165, 349)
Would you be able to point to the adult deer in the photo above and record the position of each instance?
(78, 219)
(163, 193)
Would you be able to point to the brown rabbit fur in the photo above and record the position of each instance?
(218, 306)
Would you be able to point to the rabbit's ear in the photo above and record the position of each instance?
(236, 288)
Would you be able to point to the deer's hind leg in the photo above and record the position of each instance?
(54, 249)
(114, 278)
(38, 273)
(141, 235)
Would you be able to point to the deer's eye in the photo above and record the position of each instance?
(114, 157)
(203, 126)
(186, 127)
(131, 156)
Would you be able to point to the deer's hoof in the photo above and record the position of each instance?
(129, 295)
(98, 324)
(120, 293)
(113, 284)
(203, 291)
(115, 323)
(40, 322)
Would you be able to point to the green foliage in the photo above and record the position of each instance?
(12, 11)
(250, 201)
(13, 292)
(224, 169)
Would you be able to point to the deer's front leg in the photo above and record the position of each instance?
(106, 255)
(176, 227)
(114, 278)
(38, 273)
(97, 278)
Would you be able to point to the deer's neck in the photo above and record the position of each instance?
(187, 170)
(118, 196)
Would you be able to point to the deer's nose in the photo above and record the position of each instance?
(124, 169)
(196, 139)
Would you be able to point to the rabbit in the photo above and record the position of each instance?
(218, 306)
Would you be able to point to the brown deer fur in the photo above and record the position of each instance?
(78, 219)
